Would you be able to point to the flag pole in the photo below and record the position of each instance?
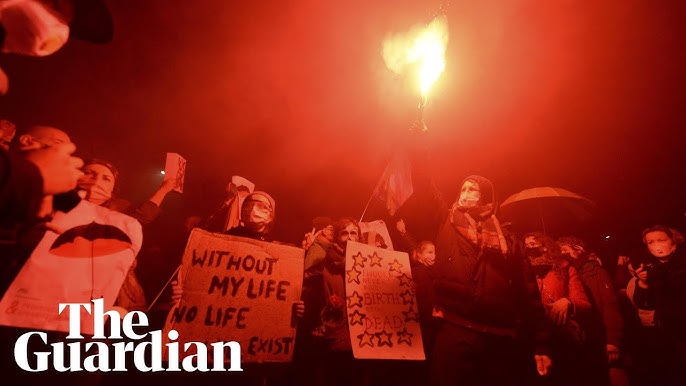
(367, 206)
(163, 288)
(374, 192)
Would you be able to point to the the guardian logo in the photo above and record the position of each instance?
(99, 360)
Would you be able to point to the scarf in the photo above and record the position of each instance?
(485, 232)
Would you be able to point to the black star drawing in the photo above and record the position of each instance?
(405, 280)
(404, 336)
(354, 300)
(354, 275)
(366, 339)
(395, 266)
(407, 297)
(384, 338)
(359, 260)
(375, 259)
(356, 318)
(411, 315)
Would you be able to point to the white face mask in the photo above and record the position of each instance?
(259, 215)
(31, 29)
(97, 194)
(469, 199)
(96, 184)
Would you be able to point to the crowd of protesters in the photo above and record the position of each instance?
(495, 308)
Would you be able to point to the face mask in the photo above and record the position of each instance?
(429, 260)
(534, 252)
(469, 199)
(31, 29)
(259, 216)
(567, 256)
(661, 249)
(97, 194)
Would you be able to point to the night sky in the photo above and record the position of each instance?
(294, 95)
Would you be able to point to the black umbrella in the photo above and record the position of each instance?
(546, 209)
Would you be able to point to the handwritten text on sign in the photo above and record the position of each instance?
(242, 290)
(382, 308)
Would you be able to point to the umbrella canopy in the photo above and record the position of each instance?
(546, 209)
(91, 240)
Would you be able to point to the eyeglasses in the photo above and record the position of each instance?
(352, 233)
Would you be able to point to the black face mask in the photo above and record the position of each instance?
(534, 252)
(541, 270)
(567, 257)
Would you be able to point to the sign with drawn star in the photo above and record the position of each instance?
(381, 304)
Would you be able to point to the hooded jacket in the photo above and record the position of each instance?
(479, 282)
(606, 320)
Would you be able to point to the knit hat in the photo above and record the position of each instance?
(263, 194)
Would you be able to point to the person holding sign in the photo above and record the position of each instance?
(257, 217)
(98, 186)
(257, 221)
(332, 337)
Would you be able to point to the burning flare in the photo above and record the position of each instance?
(423, 49)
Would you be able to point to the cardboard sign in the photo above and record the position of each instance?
(239, 289)
(175, 168)
(376, 234)
(243, 182)
(382, 309)
(89, 259)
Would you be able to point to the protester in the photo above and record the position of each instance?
(35, 140)
(483, 295)
(661, 286)
(28, 195)
(257, 222)
(335, 364)
(257, 217)
(317, 242)
(98, 186)
(421, 263)
(604, 325)
(565, 301)
(30, 175)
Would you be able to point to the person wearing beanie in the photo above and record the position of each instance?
(257, 217)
